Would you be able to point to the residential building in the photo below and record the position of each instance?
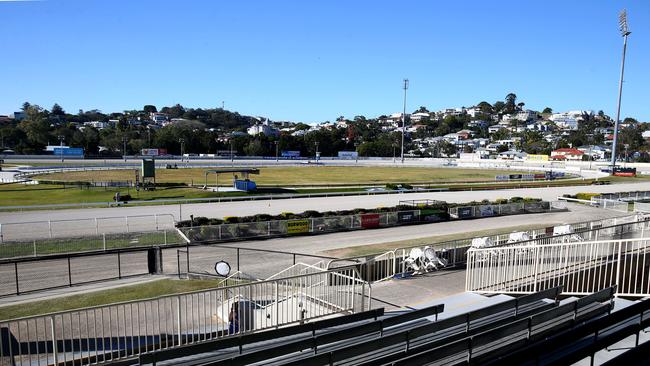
(263, 128)
(158, 117)
(566, 154)
(419, 117)
(526, 115)
(18, 116)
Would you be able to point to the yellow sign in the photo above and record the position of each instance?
(297, 226)
(537, 157)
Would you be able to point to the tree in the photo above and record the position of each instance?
(448, 148)
(422, 109)
(510, 105)
(150, 109)
(521, 105)
(547, 110)
(57, 110)
(485, 107)
(499, 106)
(502, 148)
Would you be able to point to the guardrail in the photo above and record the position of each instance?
(123, 330)
(582, 268)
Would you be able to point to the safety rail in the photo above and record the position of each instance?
(127, 329)
(582, 268)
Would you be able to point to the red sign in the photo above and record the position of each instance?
(370, 220)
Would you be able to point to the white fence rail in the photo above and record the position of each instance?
(610, 204)
(21, 231)
(581, 268)
(116, 331)
(642, 207)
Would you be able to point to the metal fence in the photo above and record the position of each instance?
(299, 226)
(581, 268)
(466, 212)
(641, 207)
(606, 203)
(454, 253)
(36, 274)
(21, 231)
(87, 243)
(626, 196)
(122, 330)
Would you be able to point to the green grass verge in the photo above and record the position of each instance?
(103, 297)
(71, 245)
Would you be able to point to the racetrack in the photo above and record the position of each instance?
(297, 205)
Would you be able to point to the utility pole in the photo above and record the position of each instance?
(277, 157)
(61, 138)
(356, 149)
(317, 155)
(406, 86)
(622, 23)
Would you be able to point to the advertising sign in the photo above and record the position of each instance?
(370, 220)
(540, 176)
(348, 154)
(464, 212)
(407, 216)
(297, 226)
(430, 215)
(537, 157)
(515, 176)
(502, 177)
(290, 154)
(149, 152)
(76, 151)
(486, 211)
(528, 176)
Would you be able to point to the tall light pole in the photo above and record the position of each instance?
(317, 143)
(61, 138)
(622, 24)
(124, 147)
(277, 158)
(406, 86)
(182, 141)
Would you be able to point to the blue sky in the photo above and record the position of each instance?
(314, 61)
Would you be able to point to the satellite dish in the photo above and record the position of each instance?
(222, 268)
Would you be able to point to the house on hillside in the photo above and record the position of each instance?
(566, 154)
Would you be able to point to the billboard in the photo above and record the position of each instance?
(297, 226)
(502, 177)
(370, 220)
(486, 210)
(68, 151)
(153, 152)
(430, 215)
(407, 216)
(515, 176)
(537, 157)
(348, 155)
(464, 212)
(290, 154)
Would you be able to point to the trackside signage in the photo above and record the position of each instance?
(297, 226)
(370, 220)
(407, 216)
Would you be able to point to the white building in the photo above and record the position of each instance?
(526, 115)
(420, 116)
(97, 124)
(263, 128)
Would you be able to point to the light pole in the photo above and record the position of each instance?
(622, 23)
(61, 138)
(317, 154)
(406, 86)
(356, 149)
(394, 146)
(277, 157)
(232, 159)
(124, 147)
(182, 141)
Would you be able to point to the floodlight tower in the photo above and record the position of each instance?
(622, 26)
(406, 86)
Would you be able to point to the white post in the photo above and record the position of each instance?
(165, 232)
(126, 218)
(1, 236)
(49, 225)
(178, 318)
(155, 217)
(55, 350)
(96, 227)
(104, 240)
(34, 247)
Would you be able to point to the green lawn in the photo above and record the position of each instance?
(69, 245)
(296, 176)
(103, 297)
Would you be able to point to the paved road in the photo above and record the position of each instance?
(302, 204)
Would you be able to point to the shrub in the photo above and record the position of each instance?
(311, 213)
(516, 199)
(586, 196)
(231, 219)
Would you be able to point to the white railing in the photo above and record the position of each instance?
(641, 207)
(103, 333)
(20, 231)
(610, 204)
(581, 268)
